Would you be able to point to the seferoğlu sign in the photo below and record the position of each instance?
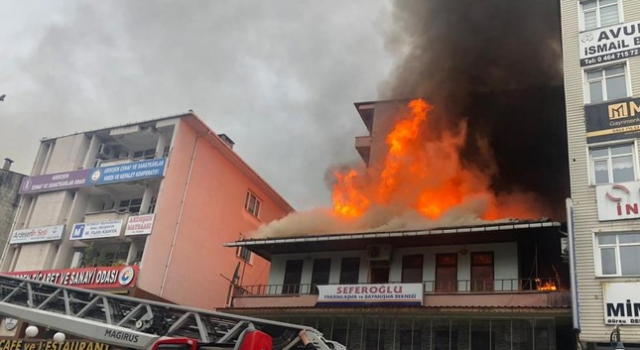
(610, 44)
(371, 294)
(39, 234)
(618, 201)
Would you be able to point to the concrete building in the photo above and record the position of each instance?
(601, 45)
(501, 286)
(9, 199)
(142, 209)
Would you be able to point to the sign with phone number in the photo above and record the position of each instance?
(610, 57)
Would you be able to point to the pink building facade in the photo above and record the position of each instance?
(142, 209)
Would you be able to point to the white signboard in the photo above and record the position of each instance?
(618, 201)
(610, 44)
(139, 225)
(621, 303)
(380, 294)
(40, 234)
(97, 229)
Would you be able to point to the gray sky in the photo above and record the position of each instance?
(278, 77)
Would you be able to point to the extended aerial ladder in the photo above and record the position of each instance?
(138, 323)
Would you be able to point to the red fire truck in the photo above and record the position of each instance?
(132, 323)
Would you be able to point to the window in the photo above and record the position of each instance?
(152, 205)
(379, 272)
(375, 339)
(292, 277)
(446, 272)
(244, 254)
(130, 205)
(146, 154)
(412, 269)
(483, 340)
(599, 13)
(320, 274)
(350, 271)
(612, 164)
(619, 254)
(252, 204)
(410, 340)
(607, 83)
(482, 271)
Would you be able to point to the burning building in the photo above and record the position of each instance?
(431, 256)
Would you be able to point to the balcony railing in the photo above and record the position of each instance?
(515, 285)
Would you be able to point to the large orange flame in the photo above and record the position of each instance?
(422, 170)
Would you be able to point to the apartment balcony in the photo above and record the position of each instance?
(501, 293)
(106, 216)
(363, 146)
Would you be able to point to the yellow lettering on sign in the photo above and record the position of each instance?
(633, 108)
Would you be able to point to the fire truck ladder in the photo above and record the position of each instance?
(135, 323)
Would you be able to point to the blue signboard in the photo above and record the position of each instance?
(147, 169)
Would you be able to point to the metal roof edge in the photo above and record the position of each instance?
(364, 235)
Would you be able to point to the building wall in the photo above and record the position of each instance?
(191, 227)
(583, 193)
(385, 115)
(505, 263)
(9, 200)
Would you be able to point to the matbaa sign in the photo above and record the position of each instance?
(618, 201)
(139, 225)
(39, 234)
(97, 229)
(371, 294)
(621, 303)
(610, 44)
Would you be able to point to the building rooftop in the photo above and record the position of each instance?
(473, 234)
(221, 145)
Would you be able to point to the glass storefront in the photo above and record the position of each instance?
(373, 332)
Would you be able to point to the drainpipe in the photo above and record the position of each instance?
(177, 228)
(575, 302)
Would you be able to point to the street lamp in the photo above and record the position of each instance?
(615, 334)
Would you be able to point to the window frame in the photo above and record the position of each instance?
(591, 165)
(487, 285)
(343, 277)
(603, 67)
(446, 288)
(598, 257)
(241, 253)
(127, 208)
(582, 19)
(255, 212)
(406, 269)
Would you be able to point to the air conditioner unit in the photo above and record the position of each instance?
(106, 152)
(379, 252)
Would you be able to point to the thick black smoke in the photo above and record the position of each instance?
(497, 63)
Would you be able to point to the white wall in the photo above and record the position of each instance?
(505, 263)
